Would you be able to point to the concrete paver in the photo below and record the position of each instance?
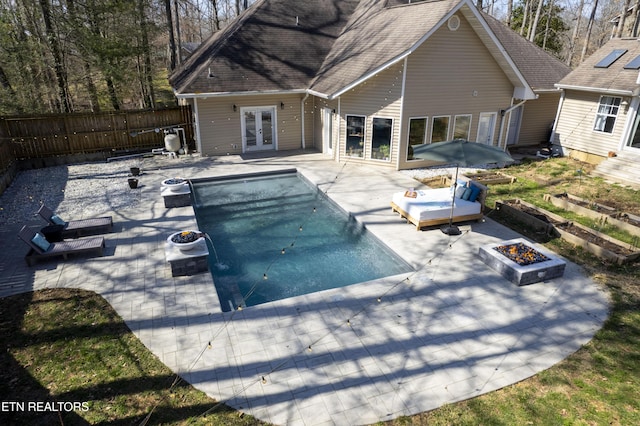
(451, 330)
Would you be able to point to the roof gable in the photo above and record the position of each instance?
(617, 77)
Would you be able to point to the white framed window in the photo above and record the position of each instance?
(382, 131)
(417, 134)
(355, 135)
(607, 113)
(440, 128)
(462, 126)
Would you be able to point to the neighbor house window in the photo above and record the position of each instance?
(381, 138)
(355, 135)
(607, 113)
(440, 129)
(461, 126)
(417, 134)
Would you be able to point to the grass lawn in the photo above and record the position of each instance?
(65, 345)
(69, 345)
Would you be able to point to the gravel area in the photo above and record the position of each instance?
(75, 191)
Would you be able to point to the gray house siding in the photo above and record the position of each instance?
(537, 119)
(378, 97)
(451, 74)
(220, 125)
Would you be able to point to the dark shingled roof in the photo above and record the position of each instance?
(327, 45)
(276, 45)
(614, 77)
(539, 68)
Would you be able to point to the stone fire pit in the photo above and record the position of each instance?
(521, 262)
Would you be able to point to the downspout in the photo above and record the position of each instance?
(304, 142)
(337, 144)
(504, 112)
(555, 121)
(197, 121)
(400, 134)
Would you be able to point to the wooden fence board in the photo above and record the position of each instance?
(44, 136)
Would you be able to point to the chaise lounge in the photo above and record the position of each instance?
(77, 228)
(433, 206)
(40, 248)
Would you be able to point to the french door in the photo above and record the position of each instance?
(258, 128)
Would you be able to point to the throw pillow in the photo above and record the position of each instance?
(40, 241)
(460, 191)
(475, 191)
(467, 193)
(57, 220)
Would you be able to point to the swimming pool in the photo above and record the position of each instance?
(275, 236)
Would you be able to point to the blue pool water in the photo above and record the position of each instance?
(276, 236)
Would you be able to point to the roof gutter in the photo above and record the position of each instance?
(600, 90)
(226, 94)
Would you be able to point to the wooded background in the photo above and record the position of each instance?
(60, 56)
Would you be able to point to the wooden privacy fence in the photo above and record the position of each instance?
(29, 137)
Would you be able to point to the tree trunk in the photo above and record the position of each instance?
(148, 94)
(623, 18)
(534, 25)
(548, 25)
(216, 15)
(61, 76)
(179, 41)
(113, 96)
(172, 41)
(574, 36)
(636, 10)
(587, 36)
(509, 13)
(525, 14)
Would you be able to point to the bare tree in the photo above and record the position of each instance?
(623, 18)
(587, 36)
(574, 36)
(534, 25)
(172, 40)
(60, 72)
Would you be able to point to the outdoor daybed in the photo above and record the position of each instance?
(433, 206)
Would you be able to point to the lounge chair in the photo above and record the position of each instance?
(40, 248)
(77, 228)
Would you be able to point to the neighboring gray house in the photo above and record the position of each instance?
(366, 79)
(599, 110)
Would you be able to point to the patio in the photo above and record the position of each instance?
(450, 331)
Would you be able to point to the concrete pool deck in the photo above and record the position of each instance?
(449, 331)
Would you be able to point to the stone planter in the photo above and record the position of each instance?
(186, 241)
(135, 171)
(133, 183)
(175, 184)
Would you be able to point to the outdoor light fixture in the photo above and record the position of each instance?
(281, 105)
(235, 107)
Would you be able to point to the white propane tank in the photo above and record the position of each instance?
(172, 142)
